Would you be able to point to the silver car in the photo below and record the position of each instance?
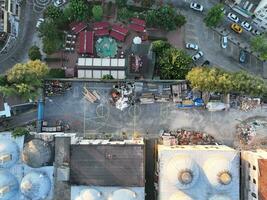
(191, 46)
(233, 17)
(197, 55)
(246, 26)
(224, 42)
(196, 6)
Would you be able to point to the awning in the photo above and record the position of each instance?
(137, 28)
(117, 36)
(101, 32)
(86, 42)
(100, 25)
(78, 27)
(120, 29)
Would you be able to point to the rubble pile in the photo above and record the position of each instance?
(247, 104)
(56, 87)
(186, 137)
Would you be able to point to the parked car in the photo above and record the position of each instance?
(236, 28)
(224, 42)
(197, 55)
(246, 26)
(196, 6)
(242, 56)
(255, 32)
(233, 17)
(205, 63)
(216, 106)
(191, 46)
(39, 22)
(58, 3)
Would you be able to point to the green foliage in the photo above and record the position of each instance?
(121, 3)
(52, 12)
(216, 80)
(146, 3)
(165, 17)
(160, 46)
(34, 53)
(78, 10)
(174, 64)
(125, 14)
(25, 79)
(97, 11)
(56, 73)
(18, 132)
(214, 16)
(259, 44)
(3, 80)
(107, 77)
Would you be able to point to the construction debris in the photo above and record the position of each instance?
(91, 96)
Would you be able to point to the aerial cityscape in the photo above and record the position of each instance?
(133, 100)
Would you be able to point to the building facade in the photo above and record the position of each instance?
(197, 172)
(260, 14)
(253, 175)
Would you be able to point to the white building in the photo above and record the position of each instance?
(197, 172)
(253, 175)
(261, 15)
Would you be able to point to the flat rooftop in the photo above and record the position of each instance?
(107, 165)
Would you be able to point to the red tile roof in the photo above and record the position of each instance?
(136, 28)
(120, 29)
(78, 27)
(101, 32)
(86, 42)
(139, 22)
(262, 178)
(100, 25)
(117, 36)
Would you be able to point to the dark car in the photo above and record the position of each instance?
(242, 56)
(205, 63)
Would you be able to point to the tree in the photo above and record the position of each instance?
(18, 132)
(259, 44)
(180, 20)
(97, 11)
(52, 12)
(159, 46)
(107, 77)
(3, 80)
(214, 16)
(125, 14)
(121, 3)
(174, 64)
(25, 79)
(34, 53)
(78, 10)
(56, 73)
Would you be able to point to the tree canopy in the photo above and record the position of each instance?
(107, 77)
(208, 79)
(214, 16)
(34, 53)
(78, 10)
(97, 11)
(259, 44)
(24, 79)
(19, 131)
(121, 3)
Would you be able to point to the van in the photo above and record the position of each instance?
(224, 42)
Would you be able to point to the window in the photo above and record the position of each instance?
(254, 181)
(254, 168)
(249, 177)
(248, 165)
(253, 194)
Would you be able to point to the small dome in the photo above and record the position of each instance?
(180, 196)
(36, 153)
(123, 194)
(137, 40)
(35, 185)
(9, 186)
(182, 171)
(219, 172)
(89, 194)
(219, 197)
(9, 153)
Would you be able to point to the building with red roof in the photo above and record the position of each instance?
(86, 42)
(136, 28)
(120, 29)
(137, 25)
(100, 25)
(78, 27)
(101, 32)
(139, 22)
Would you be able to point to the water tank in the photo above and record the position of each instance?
(220, 172)
(9, 186)
(180, 196)
(89, 194)
(35, 185)
(36, 153)
(123, 194)
(182, 171)
(9, 153)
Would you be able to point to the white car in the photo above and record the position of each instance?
(246, 26)
(58, 3)
(255, 32)
(216, 106)
(39, 22)
(191, 46)
(196, 6)
(197, 56)
(224, 42)
(233, 17)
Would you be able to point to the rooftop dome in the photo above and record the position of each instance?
(182, 171)
(36, 153)
(220, 172)
(35, 185)
(9, 153)
(219, 197)
(9, 186)
(89, 194)
(123, 194)
(180, 196)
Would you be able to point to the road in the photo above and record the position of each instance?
(31, 10)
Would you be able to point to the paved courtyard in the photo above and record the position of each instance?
(149, 119)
